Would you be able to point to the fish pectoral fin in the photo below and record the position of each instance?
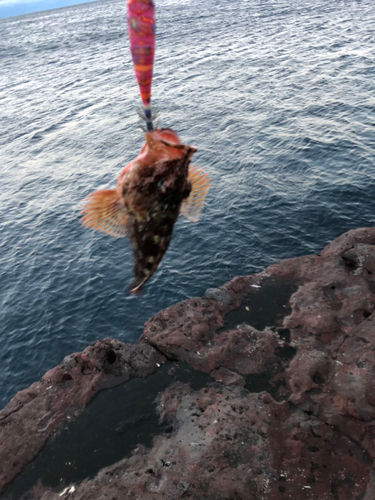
(192, 206)
(103, 211)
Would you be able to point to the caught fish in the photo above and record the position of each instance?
(152, 190)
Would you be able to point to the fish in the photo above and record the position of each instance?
(151, 192)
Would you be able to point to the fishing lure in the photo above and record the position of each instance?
(141, 27)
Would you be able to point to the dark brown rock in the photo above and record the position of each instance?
(35, 413)
(227, 377)
(195, 330)
(288, 410)
(234, 444)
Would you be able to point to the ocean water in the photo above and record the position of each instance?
(279, 98)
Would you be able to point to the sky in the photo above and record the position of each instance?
(9, 8)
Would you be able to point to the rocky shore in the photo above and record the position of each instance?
(263, 389)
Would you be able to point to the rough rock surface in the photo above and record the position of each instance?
(35, 413)
(288, 408)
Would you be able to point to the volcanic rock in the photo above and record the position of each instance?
(266, 392)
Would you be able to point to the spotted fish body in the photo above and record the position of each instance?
(151, 192)
(152, 196)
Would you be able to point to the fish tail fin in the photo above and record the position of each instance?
(149, 247)
(103, 211)
(192, 206)
(147, 263)
(143, 272)
(135, 287)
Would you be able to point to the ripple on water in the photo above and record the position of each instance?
(278, 98)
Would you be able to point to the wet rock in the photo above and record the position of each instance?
(286, 409)
(361, 257)
(227, 377)
(219, 295)
(35, 413)
(234, 444)
(209, 334)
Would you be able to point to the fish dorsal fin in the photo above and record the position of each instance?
(103, 211)
(192, 206)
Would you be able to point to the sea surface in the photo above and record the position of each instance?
(279, 98)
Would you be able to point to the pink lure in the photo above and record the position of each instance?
(141, 27)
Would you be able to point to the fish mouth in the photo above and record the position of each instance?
(169, 138)
(163, 145)
(172, 144)
(168, 135)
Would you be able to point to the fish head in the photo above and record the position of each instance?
(158, 176)
(163, 144)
